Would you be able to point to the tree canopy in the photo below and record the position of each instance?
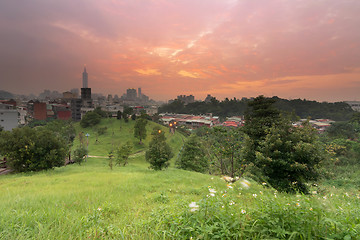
(159, 152)
(29, 149)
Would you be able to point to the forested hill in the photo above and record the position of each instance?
(5, 95)
(338, 111)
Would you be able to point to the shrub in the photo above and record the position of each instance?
(29, 149)
(80, 155)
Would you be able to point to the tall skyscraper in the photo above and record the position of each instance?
(85, 78)
(139, 93)
(86, 91)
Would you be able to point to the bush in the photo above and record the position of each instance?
(90, 119)
(29, 149)
(80, 155)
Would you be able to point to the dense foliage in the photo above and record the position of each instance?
(338, 111)
(192, 156)
(28, 149)
(159, 152)
(90, 119)
(223, 147)
(278, 152)
(122, 154)
(140, 129)
(288, 156)
(79, 155)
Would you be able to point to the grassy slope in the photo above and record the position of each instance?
(78, 202)
(119, 132)
(60, 204)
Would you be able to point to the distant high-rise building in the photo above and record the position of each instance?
(85, 78)
(139, 93)
(86, 91)
(76, 109)
(186, 99)
(131, 94)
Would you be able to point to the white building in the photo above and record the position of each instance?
(8, 117)
(355, 105)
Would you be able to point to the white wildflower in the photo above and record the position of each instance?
(193, 207)
(243, 211)
(245, 183)
(254, 195)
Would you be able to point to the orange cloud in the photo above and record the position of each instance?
(148, 71)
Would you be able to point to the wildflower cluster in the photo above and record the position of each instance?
(258, 211)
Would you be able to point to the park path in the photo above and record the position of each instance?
(4, 171)
(132, 155)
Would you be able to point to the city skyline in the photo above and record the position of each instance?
(226, 48)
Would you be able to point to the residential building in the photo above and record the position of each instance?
(8, 117)
(76, 109)
(39, 111)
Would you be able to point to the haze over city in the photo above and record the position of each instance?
(226, 48)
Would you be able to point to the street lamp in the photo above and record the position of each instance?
(87, 144)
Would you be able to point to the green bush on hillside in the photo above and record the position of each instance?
(90, 119)
(28, 149)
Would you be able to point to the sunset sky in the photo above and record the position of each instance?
(227, 48)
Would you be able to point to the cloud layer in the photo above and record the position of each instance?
(227, 48)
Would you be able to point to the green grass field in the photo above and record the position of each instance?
(90, 201)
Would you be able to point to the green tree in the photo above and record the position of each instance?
(342, 130)
(29, 149)
(63, 129)
(102, 113)
(128, 111)
(192, 156)
(260, 116)
(79, 155)
(90, 119)
(140, 129)
(123, 153)
(159, 152)
(119, 115)
(223, 146)
(288, 156)
(111, 157)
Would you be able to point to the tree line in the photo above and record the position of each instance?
(338, 111)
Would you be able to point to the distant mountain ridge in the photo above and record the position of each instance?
(6, 95)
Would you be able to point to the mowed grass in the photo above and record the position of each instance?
(90, 201)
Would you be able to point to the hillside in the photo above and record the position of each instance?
(90, 201)
(118, 132)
